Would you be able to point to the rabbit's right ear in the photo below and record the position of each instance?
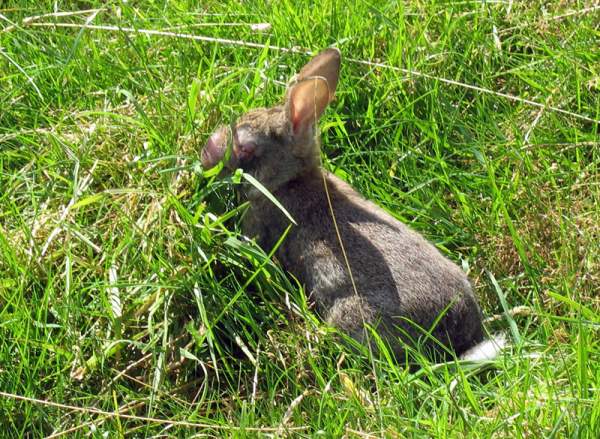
(326, 65)
(306, 101)
(314, 89)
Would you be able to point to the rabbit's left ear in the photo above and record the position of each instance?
(306, 101)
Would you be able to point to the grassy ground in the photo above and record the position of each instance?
(126, 289)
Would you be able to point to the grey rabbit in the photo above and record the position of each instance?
(397, 282)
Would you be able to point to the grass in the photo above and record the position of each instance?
(127, 290)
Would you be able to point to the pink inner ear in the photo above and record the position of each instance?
(308, 100)
(295, 119)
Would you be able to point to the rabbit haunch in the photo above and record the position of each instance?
(405, 288)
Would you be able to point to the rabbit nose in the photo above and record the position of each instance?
(214, 150)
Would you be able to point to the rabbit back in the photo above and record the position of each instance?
(393, 279)
(404, 286)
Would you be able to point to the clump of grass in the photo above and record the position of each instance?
(126, 288)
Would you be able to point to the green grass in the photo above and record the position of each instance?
(125, 286)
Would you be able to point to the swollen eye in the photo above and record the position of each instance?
(245, 151)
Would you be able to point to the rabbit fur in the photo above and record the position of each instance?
(405, 288)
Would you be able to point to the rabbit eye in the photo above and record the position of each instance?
(245, 151)
(244, 146)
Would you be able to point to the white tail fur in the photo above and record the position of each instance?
(487, 349)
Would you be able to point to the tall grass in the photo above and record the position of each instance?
(130, 304)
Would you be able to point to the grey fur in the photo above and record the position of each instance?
(405, 285)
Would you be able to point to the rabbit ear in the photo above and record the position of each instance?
(327, 65)
(306, 101)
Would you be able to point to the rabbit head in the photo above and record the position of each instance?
(276, 145)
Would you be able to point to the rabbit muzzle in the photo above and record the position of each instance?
(215, 148)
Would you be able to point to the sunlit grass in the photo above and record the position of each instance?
(126, 287)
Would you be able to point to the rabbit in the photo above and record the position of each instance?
(393, 280)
